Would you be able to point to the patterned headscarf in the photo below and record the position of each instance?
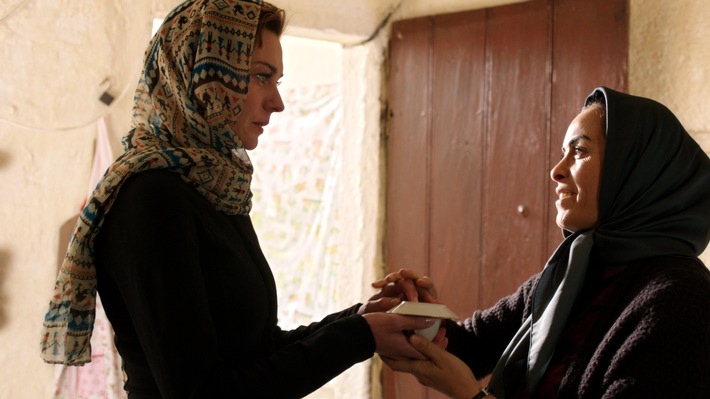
(654, 200)
(190, 93)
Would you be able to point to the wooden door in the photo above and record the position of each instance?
(478, 103)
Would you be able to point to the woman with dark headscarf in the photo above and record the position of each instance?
(167, 241)
(622, 308)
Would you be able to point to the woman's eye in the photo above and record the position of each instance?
(576, 152)
(265, 78)
(579, 151)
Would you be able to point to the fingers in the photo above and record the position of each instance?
(426, 288)
(387, 329)
(418, 368)
(389, 290)
(381, 283)
(427, 296)
(410, 291)
(390, 278)
(400, 322)
(413, 366)
(405, 366)
(408, 283)
(417, 323)
(440, 339)
(379, 305)
(409, 273)
(425, 347)
(398, 275)
(409, 353)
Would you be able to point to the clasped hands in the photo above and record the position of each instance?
(391, 331)
(406, 352)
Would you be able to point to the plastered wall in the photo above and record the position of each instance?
(58, 56)
(669, 61)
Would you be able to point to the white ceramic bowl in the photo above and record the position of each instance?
(429, 332)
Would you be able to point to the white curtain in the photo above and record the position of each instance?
(298, 214)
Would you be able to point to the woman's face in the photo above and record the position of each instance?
(263, 98)
(577, 174)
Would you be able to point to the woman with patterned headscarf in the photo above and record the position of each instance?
(167, 241)
(622, 308)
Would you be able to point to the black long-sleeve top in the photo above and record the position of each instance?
(193, 303)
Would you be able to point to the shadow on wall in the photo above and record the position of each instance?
(4, 258)
(65, 232)
(4, 271)
(4, 159)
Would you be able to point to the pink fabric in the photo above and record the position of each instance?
(102, 378)
(103, 156)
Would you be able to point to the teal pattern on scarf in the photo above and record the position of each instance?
(190, 94)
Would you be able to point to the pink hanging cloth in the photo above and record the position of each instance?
(102, 378)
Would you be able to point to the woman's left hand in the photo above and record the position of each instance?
(441, 370)
(390, 339)
(403, 285)
(408, 285)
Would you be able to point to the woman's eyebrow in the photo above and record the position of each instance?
(574, 139)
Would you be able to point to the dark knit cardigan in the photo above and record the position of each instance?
(654, 343)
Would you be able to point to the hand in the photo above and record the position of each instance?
(440, 370)
(382, 304)
(440, 339)
(389, 332)
(406, 284)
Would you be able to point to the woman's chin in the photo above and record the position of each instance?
(250, 144)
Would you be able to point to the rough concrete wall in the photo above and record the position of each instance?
(58, 57)
(669, 61)
(669, 58)
(362, 118)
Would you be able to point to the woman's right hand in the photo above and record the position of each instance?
(440, 370)
(407, 285)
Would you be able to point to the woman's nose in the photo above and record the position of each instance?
(276, 103)
(557, 172)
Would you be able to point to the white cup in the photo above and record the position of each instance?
(429, 332)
